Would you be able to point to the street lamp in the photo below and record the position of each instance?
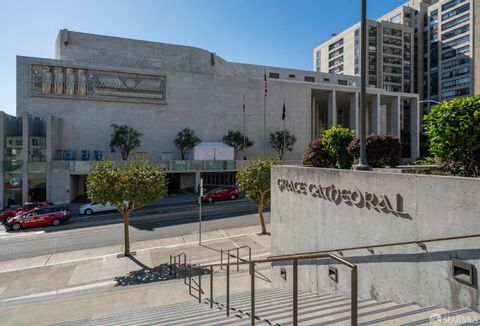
(362, 162)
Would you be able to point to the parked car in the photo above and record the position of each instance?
(92, 207)
(221, 193)
(49, 215)
(25, 208)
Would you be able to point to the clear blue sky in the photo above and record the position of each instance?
(267, 32)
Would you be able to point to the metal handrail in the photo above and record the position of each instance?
(222, 252)
(173, 267)
(294, 259)
(420, 243)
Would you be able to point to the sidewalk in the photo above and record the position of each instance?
(95, 281)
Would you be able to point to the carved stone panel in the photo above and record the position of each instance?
(77, 82)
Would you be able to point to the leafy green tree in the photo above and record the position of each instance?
(453, 129)
(185, 141)
(125, 139)
(254, 180)
(336, 141)
(281, 143)
(235, 139)
(129, 186)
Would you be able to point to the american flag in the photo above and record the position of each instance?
(265, 91)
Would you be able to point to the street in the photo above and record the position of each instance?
(164, 219)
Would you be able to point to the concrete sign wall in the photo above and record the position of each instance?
(325, 209)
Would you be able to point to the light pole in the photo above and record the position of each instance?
(362, 162)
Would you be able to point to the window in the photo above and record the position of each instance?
(391, 31)
(392, 70)
(274, 75)
(455, 42)
(456, 72)
(455, 32)
(393, 79)
(453, 53)
(456, 21)
(342, 82)
(326, 79)
(335, 45)
(392, 88)
(453, 63)
(392, 60)
(393, 41)
(336, 70)
(335, 53)
(451, 4)
(309, 79)
(456, 82)
(336, 61)
(390, 50)
(455, 12)
(456, 93)
(291, 76)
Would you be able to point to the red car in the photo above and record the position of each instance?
(25, 208)
(51, 215)
(221, 193)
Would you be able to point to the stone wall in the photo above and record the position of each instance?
(325, 209)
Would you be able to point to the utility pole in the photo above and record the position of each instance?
(244, 131)
(200, 213)
(362, 162)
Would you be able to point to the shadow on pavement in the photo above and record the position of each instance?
(163, 272)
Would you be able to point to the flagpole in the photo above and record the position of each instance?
(244, 149)
(264, 126)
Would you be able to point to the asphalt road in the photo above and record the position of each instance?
(177, 217)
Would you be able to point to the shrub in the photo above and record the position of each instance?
(382, 151)
(453, 129)
(315, 155)
(336, 141)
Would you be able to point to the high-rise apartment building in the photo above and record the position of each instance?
(428, 47)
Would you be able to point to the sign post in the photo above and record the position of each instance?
(200, 212)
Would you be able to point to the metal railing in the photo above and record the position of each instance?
(177, 263)
(420, 243)
(294, 259)
(237, 256)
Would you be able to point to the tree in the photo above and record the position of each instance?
(254, 180)
(277, 140)
(235, 139)
(336, 141)
(129, 186)
(453, 129)
(382, 150)
(316, 156)
(185, 141)
(125, 139)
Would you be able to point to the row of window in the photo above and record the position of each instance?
(335, 45)
(392, 41)
(456, 42)
(455, 52)
(456, 11)
(455, 73)
(276, 75)
(456, 21)
(336, 61)
(390, 50)
(451, 4)
(336, 70)
(456, 93)
(392, 70)
(456, 82)
(392, 31)
(392, 60)
(455, 32)
(393, 79)
(454, 63)
(335, 53)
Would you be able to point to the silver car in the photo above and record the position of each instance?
(92, 207)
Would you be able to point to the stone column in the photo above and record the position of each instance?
(395, 119)
(25, 138)
(414, 129)
(354, 113)
(376, 114)
(332, 109)
(313, 125)
(2, 156)
(197, 182)
(382, 120)
(49, 153)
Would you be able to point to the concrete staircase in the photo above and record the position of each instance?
(274, 307)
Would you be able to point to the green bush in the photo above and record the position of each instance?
(336, 141)
(453, 129)
(315, 155)
(382, 151)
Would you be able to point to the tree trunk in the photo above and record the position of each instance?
(260, 214)
(126, 234)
